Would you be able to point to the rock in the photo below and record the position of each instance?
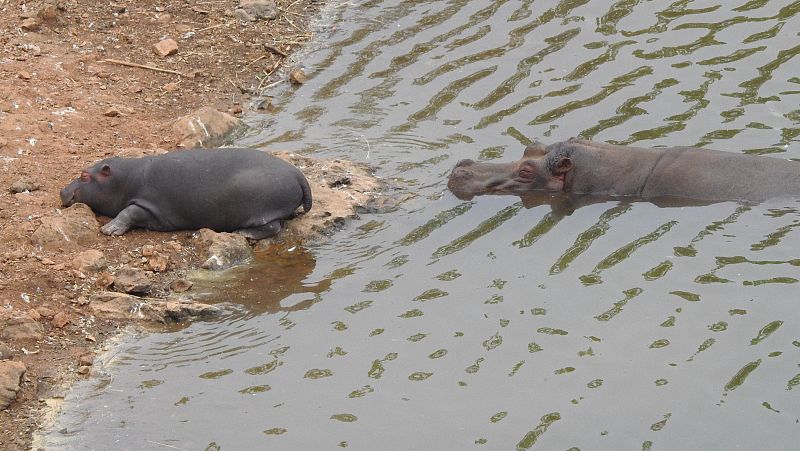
(24, 184)
(243, 16)
(10, 379)
(5, 351)
(83, 370)
(164, 19)
(158, 263)
(3, 142)
(86, 360)
(180, 285)
(170, 87)
(90, 260)
(259, 9)
(19, 327)
(105, 280)
(166, 48)
(112, 112)
(148, 250)
(31, 24)
(60, 320)
(297, 77)
(182, 310)
(223, 250)
(132, 280)
(123, 306)
(206, 127)
(45, 312)
(48, 13)
(73, 228)
(35, 315)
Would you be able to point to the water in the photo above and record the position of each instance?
(497, 324)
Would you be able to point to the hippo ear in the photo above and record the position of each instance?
(535, 150)
(562, 166)
(105, 171)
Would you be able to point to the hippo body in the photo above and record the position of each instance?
(586, 167)
(226, 190)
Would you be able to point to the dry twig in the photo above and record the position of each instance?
(142, 66)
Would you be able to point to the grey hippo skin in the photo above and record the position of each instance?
(226, 190)
(586, 167)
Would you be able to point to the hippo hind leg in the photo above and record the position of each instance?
(259, 233)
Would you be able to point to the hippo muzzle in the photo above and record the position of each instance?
(68, 194)
(470, 178)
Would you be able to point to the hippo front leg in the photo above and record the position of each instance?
(127, 218)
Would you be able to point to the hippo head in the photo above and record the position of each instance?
(535, 171)
(96, 187)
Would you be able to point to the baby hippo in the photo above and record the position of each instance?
(227, 190)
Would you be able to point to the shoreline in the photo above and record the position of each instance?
(67, 101)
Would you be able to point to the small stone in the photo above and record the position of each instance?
(34, 314)
(166, 48)
(243, 16)
(148, 250)
(31, 24)
(3, 142)
(5, 351)
(112, 112)
(164, 19)
(21, 327)
(48, 13)
(180, 285)
(132, 280)
(297, 76)
(46, 312)
(90, 260)
(24, 75)
(174, 245)
(24, 185)
(83, 370)
(259, 9)
(86, 360)
(170, 87)
(60, 320)
(105, 280)
(158, 263)
(11, 373)
(90, 338)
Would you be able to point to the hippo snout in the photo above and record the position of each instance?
(68, 196)
(465, 162)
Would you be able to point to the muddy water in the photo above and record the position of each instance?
(497, 324)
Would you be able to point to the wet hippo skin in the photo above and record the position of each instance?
(226, 190)
(585, 167)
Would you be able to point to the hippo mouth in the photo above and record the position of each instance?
(469, 179)
(68, 197)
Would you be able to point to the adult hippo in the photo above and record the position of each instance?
(582, 167)
(226, 190)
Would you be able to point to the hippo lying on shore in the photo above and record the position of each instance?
(586, 167)
(226, 190)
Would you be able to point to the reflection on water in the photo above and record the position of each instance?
(499, 322)
(274, 282)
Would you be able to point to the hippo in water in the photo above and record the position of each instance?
(226, 190)
(583, 167)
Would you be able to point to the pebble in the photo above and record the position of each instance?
(166, 48)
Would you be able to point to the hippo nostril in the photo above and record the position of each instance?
(465, 162)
